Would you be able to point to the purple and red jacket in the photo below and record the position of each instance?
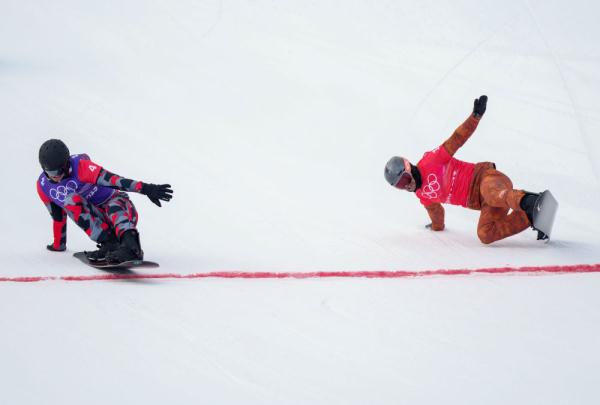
(85, 178)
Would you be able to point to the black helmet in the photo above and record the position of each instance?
(54, 157)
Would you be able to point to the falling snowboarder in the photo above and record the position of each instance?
(438, 178)
(95, 199)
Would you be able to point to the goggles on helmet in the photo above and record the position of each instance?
(405, 179)
(57, 172)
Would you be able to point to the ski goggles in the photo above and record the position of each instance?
(57, 172)
(404, 180)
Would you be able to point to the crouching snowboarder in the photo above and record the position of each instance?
(438, 178)
(95, 199)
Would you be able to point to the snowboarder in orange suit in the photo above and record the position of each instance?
(439, 178)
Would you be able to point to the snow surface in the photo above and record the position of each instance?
(273, 121)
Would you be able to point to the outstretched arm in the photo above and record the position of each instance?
(59, 223)
(466, 129)
(108, 179)
(155, 192)
(436, 214)
(90, 172)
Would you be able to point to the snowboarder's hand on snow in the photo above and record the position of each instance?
(430, 227)
(479, 106)
(157, 192)
(53, 249)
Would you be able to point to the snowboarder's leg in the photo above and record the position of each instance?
(498, 196)
(495, 223)
(121, 213)
(497, 191)
(88, 217)
(123, 216)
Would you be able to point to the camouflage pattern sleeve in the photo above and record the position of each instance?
(108, 179)
(59, 218)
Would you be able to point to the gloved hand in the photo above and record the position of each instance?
(479, 106)
(157, 192)
(52, 249)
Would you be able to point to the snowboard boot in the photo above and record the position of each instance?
(110, 244)
(527, 204)
(129, 248)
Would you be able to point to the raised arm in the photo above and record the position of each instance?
(59, 223)
(466, 129)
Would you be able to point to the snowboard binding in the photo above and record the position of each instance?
(541, 211)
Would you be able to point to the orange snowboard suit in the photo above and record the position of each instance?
(476, 186)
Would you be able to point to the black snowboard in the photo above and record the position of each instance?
(103, 265)
(544, 212)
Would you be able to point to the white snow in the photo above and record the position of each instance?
(273, 121)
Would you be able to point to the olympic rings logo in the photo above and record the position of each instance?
(61, 192)
(432, 187)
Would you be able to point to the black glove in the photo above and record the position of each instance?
(479, 106)
(157, 192)
(428, 226)
(52, 249)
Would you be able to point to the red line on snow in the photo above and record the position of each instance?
(533, 270)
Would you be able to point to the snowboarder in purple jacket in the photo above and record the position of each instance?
(96, 199)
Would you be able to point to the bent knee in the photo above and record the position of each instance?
(486, 236)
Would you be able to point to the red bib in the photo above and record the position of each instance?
(445, 179)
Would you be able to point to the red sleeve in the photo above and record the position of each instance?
(59, 220)
(45, 199)
(434, 158)
(88, 171)
(425, 201)
(438, 156)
